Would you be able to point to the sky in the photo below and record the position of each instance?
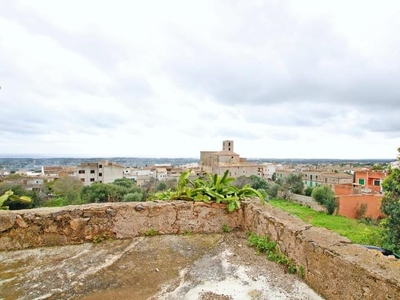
(283, 79)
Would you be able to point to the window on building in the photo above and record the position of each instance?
(83, 179)
(100, 166)
(361, 181)
(100, 174)
(81, 172)
(91, 179)
(377, 182)
(101, 181)
(310, 177)
(92, 171)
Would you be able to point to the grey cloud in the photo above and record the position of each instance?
(104, 53)
(18, 118)
(282, 61)
(295, 114)
(383, 121)
(21, 120)
(91, 121)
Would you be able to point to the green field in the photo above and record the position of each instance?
(354, 230)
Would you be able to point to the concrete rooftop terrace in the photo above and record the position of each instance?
(193, 267)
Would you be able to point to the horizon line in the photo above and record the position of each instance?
(30, 156)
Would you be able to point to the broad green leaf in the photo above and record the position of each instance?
(3, 199)
(25, 199)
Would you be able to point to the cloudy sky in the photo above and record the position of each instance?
(283, 79)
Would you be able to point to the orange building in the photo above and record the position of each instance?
(347, 189)
(371, 181)
(362, 198)
(350, 205)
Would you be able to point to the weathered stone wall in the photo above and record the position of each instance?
(333, 266)
(305, 200)
(77, 224)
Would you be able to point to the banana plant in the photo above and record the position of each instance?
(214, 188)
(9, 195)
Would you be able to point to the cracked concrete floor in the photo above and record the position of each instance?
(193, 267)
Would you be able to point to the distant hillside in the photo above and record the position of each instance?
(318, 161)
(14, 164)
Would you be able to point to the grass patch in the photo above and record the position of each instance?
(150, 232)
(225, 228)
(187, 232)
(265, 245)
(100, 238)
(354, 230)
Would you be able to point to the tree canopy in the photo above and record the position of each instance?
(325, 196)
(293, 183)
(67, 187)
(391, 208)
(112, 192)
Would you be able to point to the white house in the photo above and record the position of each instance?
(102, 171)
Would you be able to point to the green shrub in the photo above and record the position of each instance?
(133, 197)
(56, 202)
(325, 196)
(272, 190)
(308, 191)
(391, 208)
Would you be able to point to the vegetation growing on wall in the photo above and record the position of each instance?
(265, 245)
(212, 188)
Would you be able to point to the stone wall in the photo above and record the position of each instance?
(308, 201)
(77, 224)
(333, 266)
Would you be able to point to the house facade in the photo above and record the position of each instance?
(58, 171)
(102, 171)
(268, 170)
(314, 177)
(369, 180)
